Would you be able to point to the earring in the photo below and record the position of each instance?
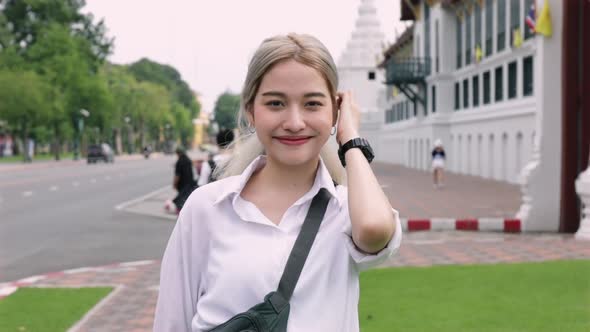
(333, 131)
(251, 129)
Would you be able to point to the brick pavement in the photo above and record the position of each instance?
(411, 192)
(131, 306)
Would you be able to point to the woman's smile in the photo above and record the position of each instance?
(293, 140)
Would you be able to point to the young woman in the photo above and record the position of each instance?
(438, 164)
(233, 236)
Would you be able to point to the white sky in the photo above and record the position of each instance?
(211, 42)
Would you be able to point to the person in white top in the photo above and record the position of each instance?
(233, 237)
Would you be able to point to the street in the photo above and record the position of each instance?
(60, 217)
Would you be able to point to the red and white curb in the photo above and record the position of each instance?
(448, 224)
(11, 287)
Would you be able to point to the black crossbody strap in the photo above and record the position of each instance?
(303, 244)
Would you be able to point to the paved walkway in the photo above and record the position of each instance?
(462, 197)
(131, 306)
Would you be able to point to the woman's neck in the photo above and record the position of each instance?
(276, 177)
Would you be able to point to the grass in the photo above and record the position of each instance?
(38, 157)
(548, 296)
(47, 309)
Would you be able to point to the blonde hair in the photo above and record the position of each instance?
(306, 50)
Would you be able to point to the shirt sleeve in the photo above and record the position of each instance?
(205, 173)
(366, 261)
(180, 276)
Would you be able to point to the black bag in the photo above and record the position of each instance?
(272, 314)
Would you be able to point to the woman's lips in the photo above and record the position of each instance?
(293, 140)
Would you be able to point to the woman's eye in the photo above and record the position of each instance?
(314, 104)
(274, 103)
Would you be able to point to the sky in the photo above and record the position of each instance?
(211, 42)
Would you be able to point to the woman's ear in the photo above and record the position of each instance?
(336, 110)
(249, 114)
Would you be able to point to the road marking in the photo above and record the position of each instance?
(142, 198)
(27, 193)
(75, 183)
(54, 188)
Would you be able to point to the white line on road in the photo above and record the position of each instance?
(142, 198)
(27, 193)
(54, 188)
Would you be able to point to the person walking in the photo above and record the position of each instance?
(184, 181)
(438, 164)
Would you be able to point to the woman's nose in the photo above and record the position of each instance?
(294, 120)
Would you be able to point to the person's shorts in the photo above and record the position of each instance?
(438, 163)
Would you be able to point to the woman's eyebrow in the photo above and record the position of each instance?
(283, 95)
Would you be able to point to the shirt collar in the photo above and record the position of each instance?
(322, 180)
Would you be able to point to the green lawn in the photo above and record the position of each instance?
(548, 296)
(47, 309)
(38, 157)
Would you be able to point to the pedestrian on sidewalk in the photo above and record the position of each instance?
(234, 237)
(208, 172)
(438, 164)
(184, 181)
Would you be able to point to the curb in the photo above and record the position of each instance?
(448, 224)
(10, 287)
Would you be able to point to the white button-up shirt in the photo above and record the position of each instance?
(224, 256)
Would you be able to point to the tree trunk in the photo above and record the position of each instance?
(56, 141)
(25, 133)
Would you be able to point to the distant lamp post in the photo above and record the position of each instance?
(77, 147)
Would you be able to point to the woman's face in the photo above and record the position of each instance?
(293, 113)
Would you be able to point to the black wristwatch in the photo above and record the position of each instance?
(360, 143)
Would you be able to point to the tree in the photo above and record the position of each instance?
(169, 77)
(24, 100)
(29, 18)
(226, 110)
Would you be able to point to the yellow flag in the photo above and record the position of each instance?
(516, 38)
(394, 92)
(478, 53)
(544, 26)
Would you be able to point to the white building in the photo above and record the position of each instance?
(357, 66)
(471, 73)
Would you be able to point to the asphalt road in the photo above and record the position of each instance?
(56, 216)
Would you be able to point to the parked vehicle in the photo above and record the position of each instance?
(100, 152)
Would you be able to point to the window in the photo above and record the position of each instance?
(457, 100)
(436, 45)
(501, 25)
(475, 89)
(426, 30)
(407, 107)
(433, 99)
(528, 5)
(512, 80)
(486, 88)
(459, 42)
(371, 76)
(465, 93)
(489, 26)
(527, 77)
(467, 39)
(477, 11)
(498, 77)
(514, 19)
